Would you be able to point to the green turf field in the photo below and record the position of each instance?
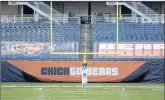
(74, 91)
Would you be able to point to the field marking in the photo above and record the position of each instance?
(86, 87)
(62, 96)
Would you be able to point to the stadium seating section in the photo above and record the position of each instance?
(39, 32)
(128, 32)
(70, 32)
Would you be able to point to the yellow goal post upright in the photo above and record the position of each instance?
(85, 54)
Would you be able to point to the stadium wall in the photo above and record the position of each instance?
(70, 71)
(9, 10)
(80, 8)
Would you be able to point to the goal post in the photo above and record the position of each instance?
(84, 54)
(84, 71)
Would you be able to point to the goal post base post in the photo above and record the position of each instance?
(84, 71)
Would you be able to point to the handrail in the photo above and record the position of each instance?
(48, 7)
(159, 18)
(148, 8)
(139, 8)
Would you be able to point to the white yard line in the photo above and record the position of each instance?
(81, 86)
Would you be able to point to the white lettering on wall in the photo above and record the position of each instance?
(158, 46)
(107, 46)
(126, 46)
(131, 46)
(114, 71)
(96, 71)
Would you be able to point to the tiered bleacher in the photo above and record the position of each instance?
(128, 32)
(39, 32)
(131, 36)
(32, 40)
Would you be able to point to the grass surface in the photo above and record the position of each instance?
(74, 91)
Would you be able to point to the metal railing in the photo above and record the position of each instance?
(147, 9)
(65, 18)
(159, 18)
(40, 7)
(139, 8)
(31, 18)
(143, 9)
(46, 8)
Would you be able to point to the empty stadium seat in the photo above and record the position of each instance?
(40, 32)
(128, 32)
(70, 32)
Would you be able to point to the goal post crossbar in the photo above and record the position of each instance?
(85, 53)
